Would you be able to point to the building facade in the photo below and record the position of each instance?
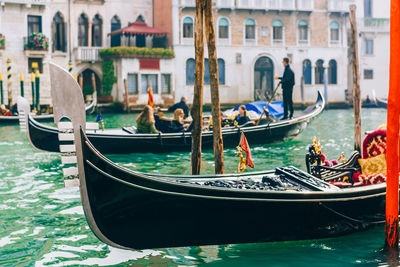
(374, 49)
(75, 31)
(254, 36)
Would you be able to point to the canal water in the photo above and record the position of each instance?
(42, 223)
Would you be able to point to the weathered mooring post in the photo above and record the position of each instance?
(392, 138)
(356, 79)
(197, 106)
(214, 87)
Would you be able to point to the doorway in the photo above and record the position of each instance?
(263, 79)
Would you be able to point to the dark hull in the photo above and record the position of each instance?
(379, 103)
(46, 138)
(139, 211)
(7, 120)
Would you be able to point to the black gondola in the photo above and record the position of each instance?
(138, 210)
(134, 210)
(7, 120)
(116, 141)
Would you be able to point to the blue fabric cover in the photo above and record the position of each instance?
(275, 108)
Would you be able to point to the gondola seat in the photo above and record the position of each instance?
(374, 143)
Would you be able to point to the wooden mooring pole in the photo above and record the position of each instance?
(392, 138)
(214, 86)
(356, 79)
(197, 107)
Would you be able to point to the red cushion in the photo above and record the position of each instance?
(374, 144)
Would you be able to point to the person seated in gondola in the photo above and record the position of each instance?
(14, 110)
(5, 111)
(224, 122)
(145, 121)
(177, 124)
(242, 118)
(162, 123)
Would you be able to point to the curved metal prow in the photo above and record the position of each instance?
(68, 103)
(67, 96)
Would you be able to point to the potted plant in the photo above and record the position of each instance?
(37, 41)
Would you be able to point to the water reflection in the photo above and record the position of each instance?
(42, 223)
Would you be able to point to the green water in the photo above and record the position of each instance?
(42, 223)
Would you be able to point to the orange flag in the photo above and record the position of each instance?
(246, 148)
(392, 137)
(150, 102)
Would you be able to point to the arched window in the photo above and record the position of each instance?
(303, 31)
(250, 25)
(334, 29)
(319, 72)
(307, 71)
(59, 35)
(188, 27)
(221, 71)
(96, 31)
(190, 65)
(332, 72)
(277, 31)
(83, 30)
(223, 28)
(115, 25)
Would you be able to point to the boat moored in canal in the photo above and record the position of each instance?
(134, 210)
(14, 119)
(122, 140)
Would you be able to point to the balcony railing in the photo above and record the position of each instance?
(338, 6)
(374, 25)
(36, 41)
(305, 5)
(25, 2)
(251, 4)
(228, 4)
(87, 54)
(281, 4)
(188, 3)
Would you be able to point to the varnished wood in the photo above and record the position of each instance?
(214, 87)
(197, 106)
(356, 79)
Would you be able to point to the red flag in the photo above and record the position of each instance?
(150, 102)
(246, 148)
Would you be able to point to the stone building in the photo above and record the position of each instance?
(76, 30)
(252, 38)
(374, 49)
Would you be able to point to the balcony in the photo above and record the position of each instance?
(225, 4)
(28, 3)
(87, 54)
(338, 6)
(36, 41)
(187, 3)
(374, 25)
(281, 4)
(305, 5)
(252, 4)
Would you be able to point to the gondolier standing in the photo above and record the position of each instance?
(287, 81)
